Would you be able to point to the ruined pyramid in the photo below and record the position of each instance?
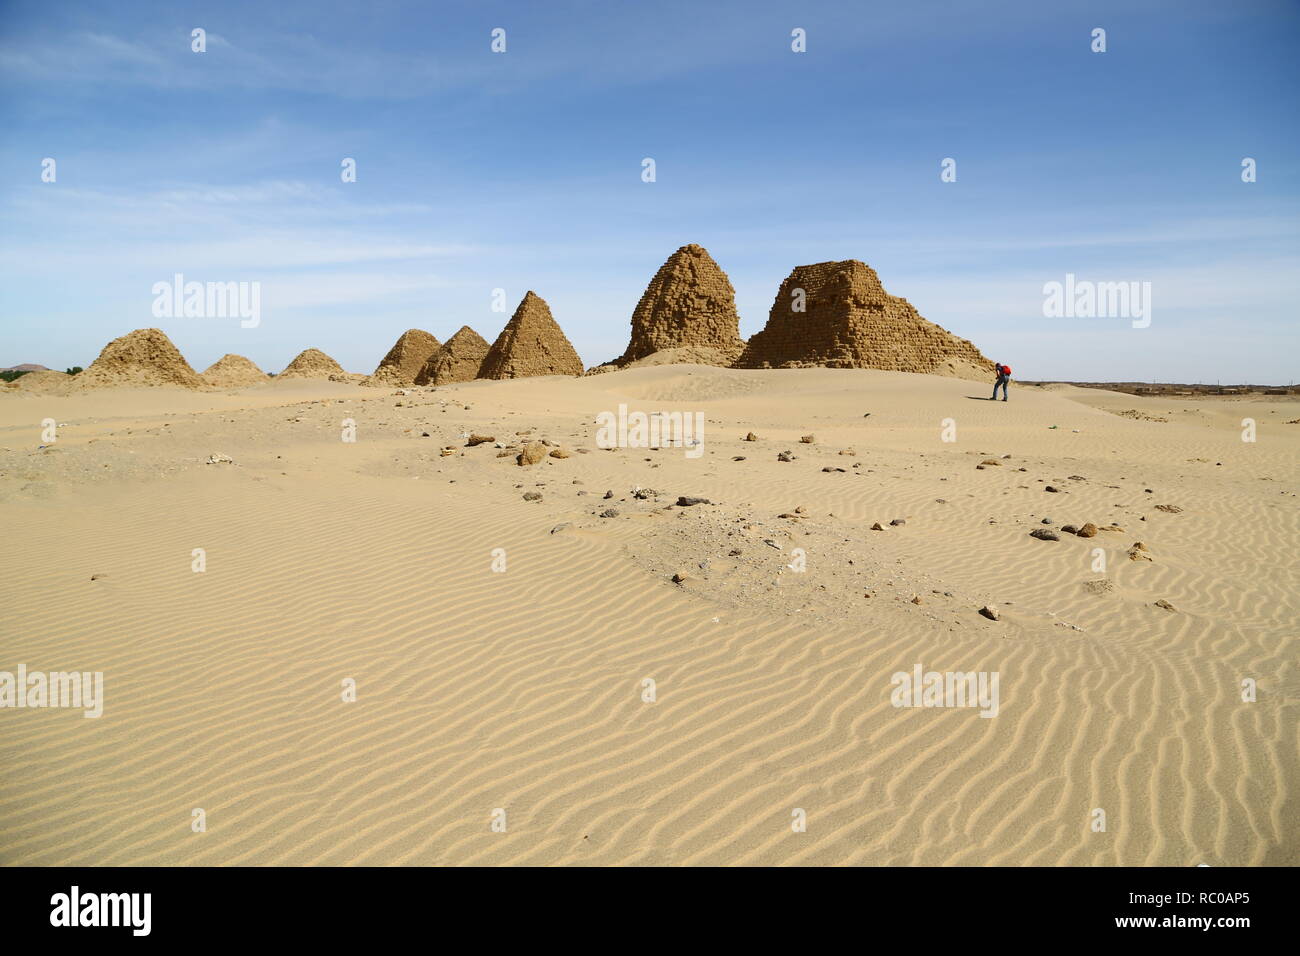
(312, 363)
(458, 360)
(689, 303)
(143, 358)
(233, 371)
(850, 321)
(531, 344)
(404, 360)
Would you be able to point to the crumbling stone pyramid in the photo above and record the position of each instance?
(233, 371)
(145, 357)
(405, 359)
(850, 321)
(457, 360)
(689, 303)
(531, 344)
(312, 363)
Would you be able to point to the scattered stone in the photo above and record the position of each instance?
(877, 527)
(532, 496)
(679, 578)
(738, 458)
(990, 461)
(533, 452)
(898, 522)
(609, 494)
(219, 460)
(849, 451)
(609, 513)
(832, 468)
(1053, 489)
(785, 456)
(1089, 530)
(1069, 529)
(559, 453)
(562, 526)
(478, 440)
(916, 599)
(96, 577)
(685, 501)
(1099, 586)
(1162, 603)
(807, 439)
(1044, 534)
(750, 437)
(1138, 552)
(1170, 509)
(990, 612)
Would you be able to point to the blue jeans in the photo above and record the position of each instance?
(1000, 383)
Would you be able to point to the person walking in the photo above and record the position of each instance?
(1004, 376)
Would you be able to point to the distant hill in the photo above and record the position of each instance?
(25, 367)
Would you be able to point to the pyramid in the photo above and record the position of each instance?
(531, 344)
(45, 382)
(233, 371)
(143, 358)
(312, 363)
(405, 359)
(688, 304)
(458, 360)
(850, 321)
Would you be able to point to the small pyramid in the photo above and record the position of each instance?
(312, 363)
(233, 371)
(46, 382)
(458, 360)
(143, 358)
(690, 303)
(848, 320)
(404, 360)
(531, 344)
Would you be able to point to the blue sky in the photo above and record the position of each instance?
(522, 170)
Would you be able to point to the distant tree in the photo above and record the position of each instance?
(74, 370)
(10, 376)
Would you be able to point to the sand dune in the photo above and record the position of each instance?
(522, 690)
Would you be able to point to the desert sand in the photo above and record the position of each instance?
(523, 689)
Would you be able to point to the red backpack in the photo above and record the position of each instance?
(1006, 370)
